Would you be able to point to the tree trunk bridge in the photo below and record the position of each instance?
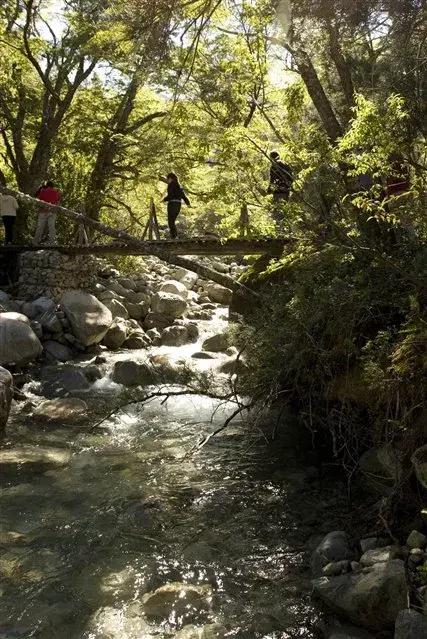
(169, 251)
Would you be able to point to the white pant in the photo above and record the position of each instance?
(49, 219)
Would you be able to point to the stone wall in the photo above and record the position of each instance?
(50, 273)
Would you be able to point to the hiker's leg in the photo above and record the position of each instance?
(51, 217)
(174, 209)
(41, 223)
(9, 223)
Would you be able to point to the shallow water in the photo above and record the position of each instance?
(137, 507)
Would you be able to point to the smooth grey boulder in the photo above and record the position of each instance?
(6, 395)
(188, 278)
(18, 317)
(217, 343)
(174, 336)
(18, 343)
(168, 304)
(175, 287)
(117, 308)
(372, 598)
(410, 624)
(336, 546)
(130, 373)
(116, 335)
(416, 540)
(57, 352)
(88, 317)
(220, 294)
(137, 340)
(69, 409)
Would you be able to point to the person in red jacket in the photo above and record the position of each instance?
(50, 195)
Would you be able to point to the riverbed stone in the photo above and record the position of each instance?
(130, 373)
(336, 546)
(210, 631)
(233, 366)
(116, 335)
(158, 321)
(188, 278)
(337, 568)
(419, 461)
(168, 304)
(18, 343)
(70, 409)
(6, 395)
(174, 336)
(137, 340)
(88, 317)
(18, 317)
(410, 624)
(372, 598)
(203, 355)
(175, 287)
(416, 540)
(32, 458)
(220, 294)
(217, 343)
(180, 599)
(57, 352)
(378, 555)
(117, 308)
(137, 311)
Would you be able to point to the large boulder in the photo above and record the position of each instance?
(88, 317)
(18, 317)
(217, 343)
(117, 308)
(137, 311)
(169, 304)
(177, 599)
(158, 321)
(410, 624)
(174, 336)
(419, 461)
(175, 287)
(130, 373)
(32, 458)
(372, 598)
(116, 335)
(220, 294)
(70, 409)
(57, 352)
(188, 278)
(6, 394)
(137, 339)
(6, 303)
(336, 546)
(18, 343)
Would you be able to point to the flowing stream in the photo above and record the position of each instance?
(135, 509)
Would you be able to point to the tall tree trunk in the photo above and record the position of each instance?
(316, 91)
(342, 68)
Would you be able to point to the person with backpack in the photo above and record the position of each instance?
(8, 209)
(49, 194)
(281, 179)
(174, 201)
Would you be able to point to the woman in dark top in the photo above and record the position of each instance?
(174, 199)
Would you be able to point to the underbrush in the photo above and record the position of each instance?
(343, 337)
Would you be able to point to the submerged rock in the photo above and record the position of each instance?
(336, 546)
(119, 623)
(88, 317)
(32, 458)
(6, 394)
(18, 344)
(178, 599)
(371, 599)
(62, 410)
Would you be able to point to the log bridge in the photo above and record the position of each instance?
(170, 251)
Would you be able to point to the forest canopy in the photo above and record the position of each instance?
(106, 96)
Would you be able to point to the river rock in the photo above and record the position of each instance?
(128, 283)
(168, 304)
(202, 355)
(51, 323)
(130, 373)
(419, 461)
(7, 303)
(177, 599)
(70, 409)
(175, 287)
(117, 308)
(220, 294)
(378, 555)
(18, 342)
(117, 288)
(217, 343)
(381, 468)
(372, 598)
(119, 623)
(18, 317)
(233, 366)
(57, 352)
(137, 340)
(174, 336)
(410, 624)
(137, 311)
(32, 458)
(211, 631)
(116, 335)
(416, 540)
(187, 278)
(336, 546)
(6, 395)
(71, 379)
(88, 317)
(158, 321)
